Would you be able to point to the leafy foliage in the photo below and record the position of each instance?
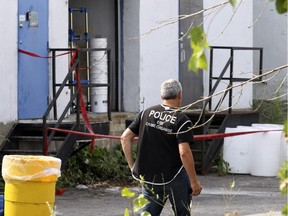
(86, 167)
(270, 111)
(198, 44)
(136, 203)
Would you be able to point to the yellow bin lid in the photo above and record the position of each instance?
(30, 168)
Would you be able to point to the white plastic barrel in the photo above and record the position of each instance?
(99, 75)
(98, 42)
(99, 101)
(266, 151)
(237, 151)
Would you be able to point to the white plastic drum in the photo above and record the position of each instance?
(99, 101)
(266, 151)
(237, 151)
(98, 42)
(99, 75)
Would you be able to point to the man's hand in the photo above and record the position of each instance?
(196, 188)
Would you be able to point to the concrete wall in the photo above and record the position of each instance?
(227, 27)
(8, 60)
(151, 59)
(131, 58)
(58, 38)
(270, 32)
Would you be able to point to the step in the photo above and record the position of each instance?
(25, 152)
(34, 138)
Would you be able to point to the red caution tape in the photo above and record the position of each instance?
(82, 105)
(196, 137)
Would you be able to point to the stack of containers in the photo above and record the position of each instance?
(258, 154)
(99, 75)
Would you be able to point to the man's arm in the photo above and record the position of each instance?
(126, 142)
(188, 163)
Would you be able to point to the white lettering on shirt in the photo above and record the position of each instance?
(163, 116)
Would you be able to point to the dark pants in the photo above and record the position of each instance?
(178, 192)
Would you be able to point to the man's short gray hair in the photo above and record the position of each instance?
(170, 89)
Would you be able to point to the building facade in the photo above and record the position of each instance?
(148, 45)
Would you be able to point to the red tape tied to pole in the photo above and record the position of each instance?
(82, 104)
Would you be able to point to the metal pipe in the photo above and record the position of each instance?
(54, 82)
(87, 57)
(231, 79)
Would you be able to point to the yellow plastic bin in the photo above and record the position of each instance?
(30, 184)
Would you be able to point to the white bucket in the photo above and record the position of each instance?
(99, 78)
(99, 67)
(98, 42)
(99, 100)
(266, 152)
(237, 151)
(98, 59)
(98, 55)
(98, 64)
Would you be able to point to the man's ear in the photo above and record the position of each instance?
(179, 95)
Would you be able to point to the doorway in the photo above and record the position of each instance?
(102, 23)
(32, 72)
(192, 83)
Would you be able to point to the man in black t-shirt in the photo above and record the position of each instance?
(164, 157)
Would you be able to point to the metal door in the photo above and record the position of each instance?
(32, 71)
(192, 83)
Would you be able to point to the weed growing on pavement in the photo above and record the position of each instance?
(223, 167)
(228, 197)
(136, 203)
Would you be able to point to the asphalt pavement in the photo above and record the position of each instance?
(237, 195)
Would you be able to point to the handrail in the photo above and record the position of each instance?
(212, 88)
(74, 95)
(53, 104)
(231, 78)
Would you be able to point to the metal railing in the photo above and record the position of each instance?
(229, 64)
(47, 138)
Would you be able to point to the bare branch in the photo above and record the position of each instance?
(179, 18)
(258, 18)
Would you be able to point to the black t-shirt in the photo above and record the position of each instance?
(160, 129)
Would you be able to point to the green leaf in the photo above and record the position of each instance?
(283, 175)
(281, 6)
(145, 213)
(198, 44)
(139, 202)
(127, 193)
(285, 210)
(126, 213)
(233, 2)
(286, 128)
